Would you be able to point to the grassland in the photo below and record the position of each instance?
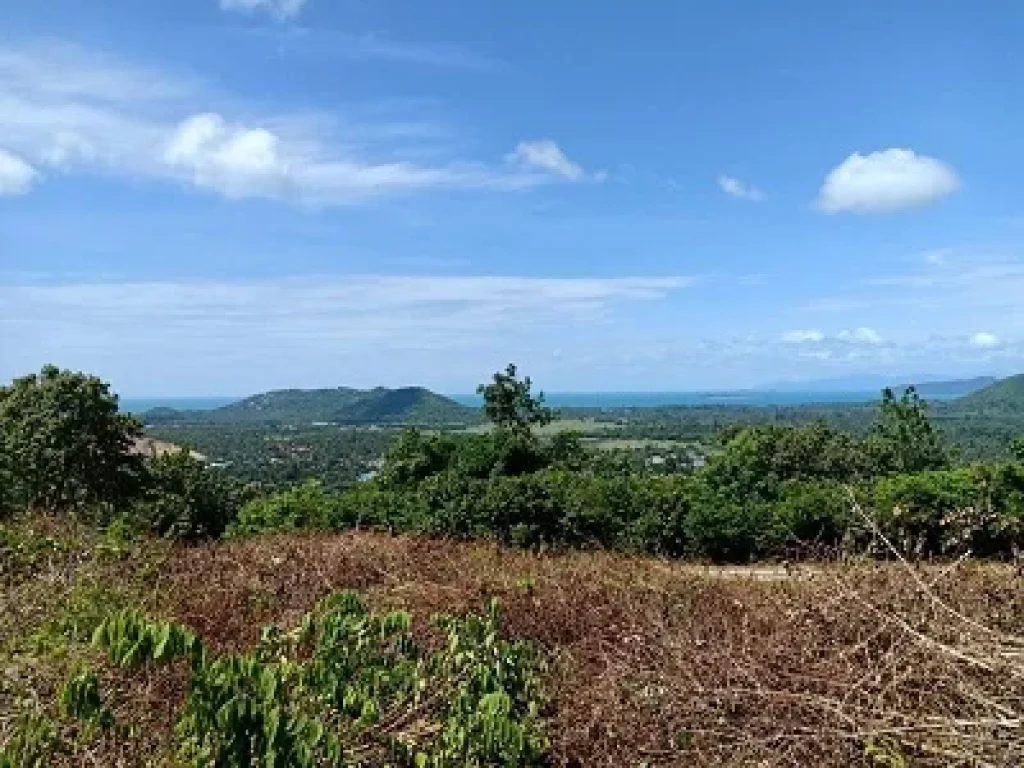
(648, 662)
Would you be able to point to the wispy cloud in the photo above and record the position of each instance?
(62, 109)
(325, 43)
(739, 189)
(546, 156)
(331, 315)
(802, 336)
(278, 9)
(885, 182)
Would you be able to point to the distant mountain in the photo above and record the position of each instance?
(1004, 396)
(928, 385)
(406, 405)
(955, 388)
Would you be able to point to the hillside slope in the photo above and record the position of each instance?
(1005, 395)
(343, 405)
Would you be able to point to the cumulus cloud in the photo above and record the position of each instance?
(984, 340)
(63, 108)
(803, 337)
(736, 188)
(860, 336)
(546, 155)
(16, 176)
(886, 181)
(279, 9)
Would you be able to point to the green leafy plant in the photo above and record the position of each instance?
(346, 686)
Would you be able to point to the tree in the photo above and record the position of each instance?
(1017, 449)
(185, 499)
(63, 443)
(509, 404)
(904, 439)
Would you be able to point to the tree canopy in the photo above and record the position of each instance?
(63, 443)
(509, 405)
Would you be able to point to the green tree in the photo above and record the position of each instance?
(1017, 449)
(63, 443)
(509, 404)
(185, 499)
(904, 439)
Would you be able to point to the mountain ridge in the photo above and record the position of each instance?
(338, 405)
(1004, 395)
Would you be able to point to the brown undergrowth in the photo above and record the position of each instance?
(652, 663)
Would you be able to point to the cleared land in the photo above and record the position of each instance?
(649, 662)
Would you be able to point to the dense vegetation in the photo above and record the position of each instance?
(100, 610)
(766, 490)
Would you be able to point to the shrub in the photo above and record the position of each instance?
(346, 687)
(185, 499)
(309, 505)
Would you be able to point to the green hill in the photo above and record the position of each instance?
(406, 405)
(1006, 396)
(955, 387)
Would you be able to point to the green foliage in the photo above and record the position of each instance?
(80, 699)
(346, 687)
(509, 405)
(33, 744)
(1017, 449)
(185, 499)
(905, 439)
(63, 444)
(1004, 397)
(756, 462)
(980, 509)
(306, 506)
(278, 455)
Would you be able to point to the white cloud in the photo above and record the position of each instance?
(886, 181)
(279, 9)
(733, 186)
(860, 336)
(546, 155)
(16, 176)
(803, 337)
(64, 108)
(984, 340)
(294, 329)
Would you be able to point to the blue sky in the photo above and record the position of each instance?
(225, 196)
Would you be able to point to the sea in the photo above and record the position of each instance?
(655, 399)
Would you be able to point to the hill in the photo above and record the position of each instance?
(955, 387)
(406, 405)
(1005, 395)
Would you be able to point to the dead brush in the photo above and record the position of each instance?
(651, 662)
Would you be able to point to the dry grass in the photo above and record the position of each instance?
(655, 663)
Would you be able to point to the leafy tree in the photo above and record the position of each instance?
(904, 438)
(185, 499)
(1017, 449)
(63, 443)
(509, 405)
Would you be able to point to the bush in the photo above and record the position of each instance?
(307, 506)
(809, 514)
(185, 499)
